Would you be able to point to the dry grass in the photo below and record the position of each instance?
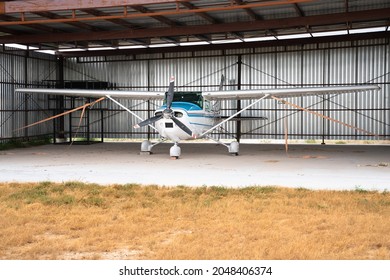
(84, 221)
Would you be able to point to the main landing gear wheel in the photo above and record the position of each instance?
(234, 148)
(175, 151)
(146, 147)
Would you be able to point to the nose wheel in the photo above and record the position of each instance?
(175, 151)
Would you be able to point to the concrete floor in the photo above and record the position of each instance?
(308, 166)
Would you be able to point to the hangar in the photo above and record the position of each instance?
(139, 44)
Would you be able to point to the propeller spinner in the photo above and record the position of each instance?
(168, 112)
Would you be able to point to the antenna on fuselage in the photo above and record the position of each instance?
(222, 83)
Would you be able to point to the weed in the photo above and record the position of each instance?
(219, 192)
(31, 195)
(74, 185)
(63, 200)
(19, 143)
(93, 201)
(176, 193)
(359, 189)
(45, 184)
(199, 191)
(310, 141)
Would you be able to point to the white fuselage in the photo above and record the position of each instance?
(198, 120)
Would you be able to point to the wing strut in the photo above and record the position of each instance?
(128, 110)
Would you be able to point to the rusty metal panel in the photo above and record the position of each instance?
(55, 5)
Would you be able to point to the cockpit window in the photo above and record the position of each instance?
(192, 97)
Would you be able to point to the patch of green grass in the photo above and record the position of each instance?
(127, 190)
(219, 191)
(41, 194)
(74, 185)
(258, 190)
(62, 200)
(31, 195)
(49, 193)
(93, 201)
(177, 193)
(18, 143)
(359, 189)
(310, 141)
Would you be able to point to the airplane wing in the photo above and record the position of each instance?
(286, 92)
(276, 94)
(209, 95)
(146, 95)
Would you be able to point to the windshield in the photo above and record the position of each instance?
(191, 97)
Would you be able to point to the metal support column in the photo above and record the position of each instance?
(25, 131)
(59, 124)
(238, 123)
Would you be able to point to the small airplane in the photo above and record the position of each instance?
(193, 115)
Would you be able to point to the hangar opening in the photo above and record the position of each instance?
(138, 45)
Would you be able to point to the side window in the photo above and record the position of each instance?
(207, 106)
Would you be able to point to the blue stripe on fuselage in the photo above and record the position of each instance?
(201, 124)
(201, 116)
(187, 106)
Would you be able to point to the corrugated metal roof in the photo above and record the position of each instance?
(78, 24)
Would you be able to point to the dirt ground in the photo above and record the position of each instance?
(308, 166)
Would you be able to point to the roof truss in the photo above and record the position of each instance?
(144, 22)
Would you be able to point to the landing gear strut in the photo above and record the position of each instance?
(146, 146)
(233, 147)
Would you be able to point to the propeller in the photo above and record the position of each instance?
(168, 112)
(182, 126)
(148, 121)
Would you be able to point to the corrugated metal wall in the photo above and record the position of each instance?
(18, 110)
(293, 66)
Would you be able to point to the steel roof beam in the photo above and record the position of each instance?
(318, 20)
(166, 21)
(301, 14)
(76, 24)
(272, 43)
(205, 16)
(7, 18)
(249, 11)
(57, 5)
(119, 22)
(208, 18)
(255, 17)
(161, 13)
(161, 19)
(81, 25)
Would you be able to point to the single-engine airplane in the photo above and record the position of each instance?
(190, 115)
